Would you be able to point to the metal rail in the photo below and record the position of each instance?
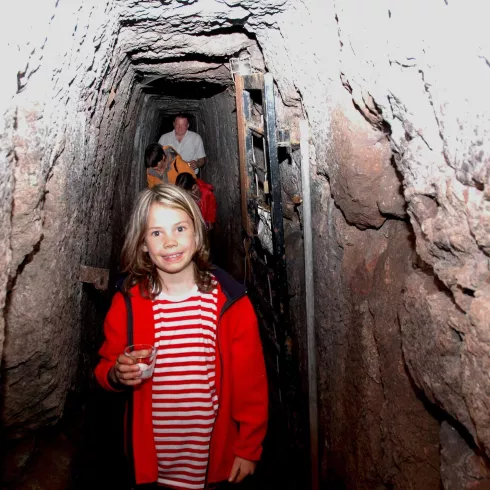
(310, 304)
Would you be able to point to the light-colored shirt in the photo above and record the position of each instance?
(190, 148)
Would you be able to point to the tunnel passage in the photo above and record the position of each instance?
(201, 86)
(399, 131)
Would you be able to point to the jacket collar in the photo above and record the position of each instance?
(231, 288)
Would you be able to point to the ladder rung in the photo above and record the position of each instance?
(258, 130)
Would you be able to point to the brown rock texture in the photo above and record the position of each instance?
(6, 190)
(362, 177)
(461, 468)
(435, 337)
(369, 405)
(397, 102)
(52, 209)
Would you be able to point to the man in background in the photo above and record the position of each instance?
(187, 143)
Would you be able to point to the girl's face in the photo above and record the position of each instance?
(170, 240)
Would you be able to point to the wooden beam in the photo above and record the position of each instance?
(253, 82)
(94, 275)
(242, 152)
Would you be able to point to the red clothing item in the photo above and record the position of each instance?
(241, 382)
(185, 402)
(207, 203)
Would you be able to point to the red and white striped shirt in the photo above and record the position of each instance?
(184, 400)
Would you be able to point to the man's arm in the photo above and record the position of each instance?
(200, 162)
(199, 150)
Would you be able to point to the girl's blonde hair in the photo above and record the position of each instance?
(138, 263)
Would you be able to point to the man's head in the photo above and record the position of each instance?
(153, 155)
(181, 124)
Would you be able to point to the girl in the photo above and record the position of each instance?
(202, 193)
(200, 420)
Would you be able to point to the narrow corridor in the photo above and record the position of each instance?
(381, 380)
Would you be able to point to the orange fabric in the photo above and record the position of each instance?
(152, 180)
(241, 384)
(178, 166)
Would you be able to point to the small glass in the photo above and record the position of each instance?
(144, 356)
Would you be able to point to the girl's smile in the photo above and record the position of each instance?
(172, 257)
(170, 241)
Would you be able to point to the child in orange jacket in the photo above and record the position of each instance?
(163, 165)
(200, 419)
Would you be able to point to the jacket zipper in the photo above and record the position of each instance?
(226, 306)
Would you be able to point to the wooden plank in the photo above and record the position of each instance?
(94, 275)
(257, 130)
(275, 181)
(253, 82)
(249, 150)
(242, 151)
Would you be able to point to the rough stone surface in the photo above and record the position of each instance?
(6, 191)
(393, 97)
(363, 180)
(56, 180)
(375, 430)
(397, 67)
(436, 337)
(461, 468)
(220, 135)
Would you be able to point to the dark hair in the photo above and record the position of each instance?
(138, 264)
(181, 115)
(185, 180)
(170, 153)
(153, 155)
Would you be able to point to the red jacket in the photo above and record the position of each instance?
(207, 202)
(241, 382)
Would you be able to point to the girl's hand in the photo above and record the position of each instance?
(240, 469)
(125, 371)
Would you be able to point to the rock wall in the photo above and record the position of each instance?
(368, 403)
(63, 177)
(393, 98)
(219, 131)
(399, 117)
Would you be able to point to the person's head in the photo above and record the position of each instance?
(186, 181)
(153, 155)
(181, 124)
(166, 235)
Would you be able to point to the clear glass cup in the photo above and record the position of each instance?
(144, 356)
